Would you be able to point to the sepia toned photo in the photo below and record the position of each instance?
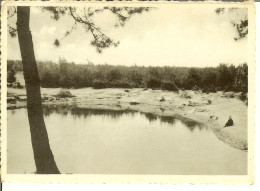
(127, 92)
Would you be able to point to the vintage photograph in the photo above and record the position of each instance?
(127, 89)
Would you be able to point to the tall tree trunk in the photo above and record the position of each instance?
(44, 159)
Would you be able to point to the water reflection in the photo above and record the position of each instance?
(62, 110)
(77, 112)
(168, 119)
(122, 142)
(151, 117)
(114, 114)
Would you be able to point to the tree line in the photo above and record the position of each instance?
(224, 77)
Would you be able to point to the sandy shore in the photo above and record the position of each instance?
(211, 109)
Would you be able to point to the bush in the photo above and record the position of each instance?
(241, 78)
(170, 86)
(119, 84)
(18, 85)
(135, 76)
(154, 83)
(211, 89)
(228, 88)
(195, 88)
(114, 75)
(224, 78)
(193, 78)
(97, 84)
(11, 76)
(64, 93)
(218, 88)
(243, 97)
(71, 75)
(185, 95)
(209, 78)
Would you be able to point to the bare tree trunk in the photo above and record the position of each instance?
(44, 159)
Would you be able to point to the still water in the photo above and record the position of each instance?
(86, 141)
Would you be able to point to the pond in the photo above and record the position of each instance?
(88, 141)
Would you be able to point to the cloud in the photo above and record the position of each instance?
(70, 47)
(173, 38)
(47, 30)
(35, 10)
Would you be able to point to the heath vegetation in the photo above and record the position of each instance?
(224, 77)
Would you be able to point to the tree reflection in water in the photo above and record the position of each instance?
(116, 114)
(151, 117)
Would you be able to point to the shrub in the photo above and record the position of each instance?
(218, 88)
(243, 97)
(195, 88)
(209, 78)
(212, 89)
(71, 75)
(64, 93)
(135, 76)
(170, 86)
(228, 88)
(18, 85)
(154, 83)
(134, 103)
(224, 76)
(11, 76)
(185, 95)
(241, 78)
(118, 84)
(162, 99)
(114, 75)
(193, 78)
(97, 84)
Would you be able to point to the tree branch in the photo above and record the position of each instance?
(11, 15)
(101, 40)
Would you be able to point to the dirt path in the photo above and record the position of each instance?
(211, 109)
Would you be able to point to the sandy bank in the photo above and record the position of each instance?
(211, 109)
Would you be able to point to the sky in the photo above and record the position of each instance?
(166, 36)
